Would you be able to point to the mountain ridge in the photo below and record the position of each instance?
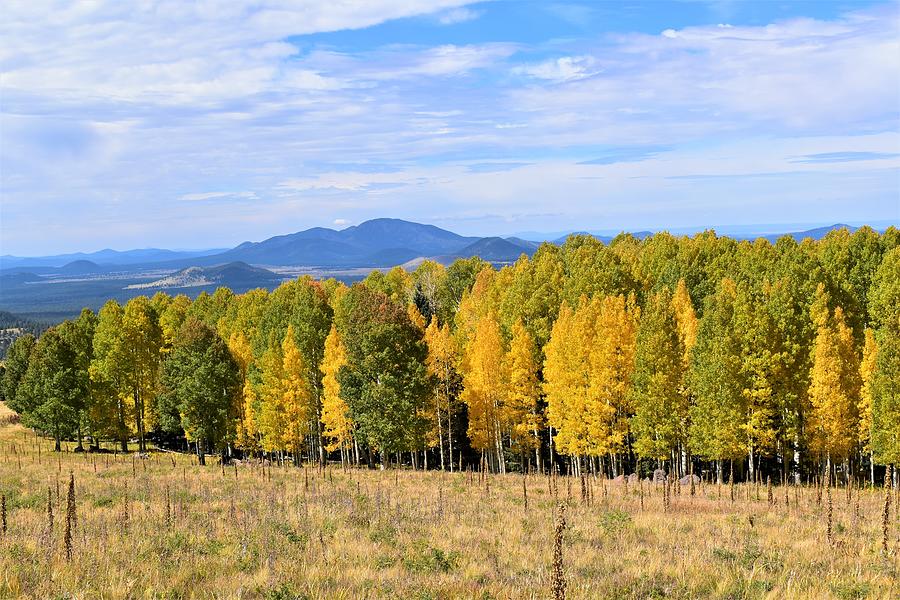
(382, 242)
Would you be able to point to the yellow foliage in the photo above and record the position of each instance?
(520, 414)
(834, 387)
(866, 372)
(567, 376)
(335, 414)
(611, 369)
(483, 383)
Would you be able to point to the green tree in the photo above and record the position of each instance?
(884, 303)
(199, 382)
(717, 413)
(16, 364)
(660, 418)
(142, 343)
(50, 394)
(110, 367)
(384, 381)
(79, 335)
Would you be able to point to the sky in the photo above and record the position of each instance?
(164, 123)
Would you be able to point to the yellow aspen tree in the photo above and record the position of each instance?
(834, 384)
(297, 396)
(272, 411)
(484, 388)
(686, 319)
(567, 378)
(866, 375)
(335, 413)
(441, 358)
(611, 369)
(248, 431)
(520, 411)
(240, 349)
(415, 317)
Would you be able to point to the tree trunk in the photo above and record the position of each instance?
(201, 454)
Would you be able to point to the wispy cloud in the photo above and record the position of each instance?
(200, 196)
(611, 156)
(140, 118)
(565, 68)
(838, 157)
(458, 15)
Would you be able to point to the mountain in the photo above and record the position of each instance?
(81, 267)
(375, 243)
(104, 257)
(497, 249)
(817, 234)
(236, 275)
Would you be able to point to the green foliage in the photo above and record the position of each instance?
(385, 382)
(199, 381)
(660, 417)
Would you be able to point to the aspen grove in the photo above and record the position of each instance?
(690, 354)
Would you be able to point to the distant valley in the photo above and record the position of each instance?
(52, 288)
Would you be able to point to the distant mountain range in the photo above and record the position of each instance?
(105, 257)
(52, 288)
(375, 243)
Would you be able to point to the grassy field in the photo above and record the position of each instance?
(163, 527)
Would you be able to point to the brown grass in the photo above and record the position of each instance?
(272, 532)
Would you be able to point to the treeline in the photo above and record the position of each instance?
(675, 352)
(13, 326)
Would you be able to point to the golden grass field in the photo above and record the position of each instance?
(279, 533)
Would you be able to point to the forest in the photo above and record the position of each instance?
(694, 354)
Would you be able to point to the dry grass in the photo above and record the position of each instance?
(194, 532)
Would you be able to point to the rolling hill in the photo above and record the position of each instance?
(233, 274)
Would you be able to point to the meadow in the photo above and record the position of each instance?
(159, 525)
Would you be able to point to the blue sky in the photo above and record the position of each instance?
(190, 125)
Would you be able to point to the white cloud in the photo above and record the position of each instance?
(168, 51)
(200, 196)
(131, 118)
(458, 15)
(560, 69)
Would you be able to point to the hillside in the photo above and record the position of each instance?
(13, 326)
(233, 274)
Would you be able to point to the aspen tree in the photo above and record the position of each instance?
(834, 384)
(338, 427)
(484, 389)
(609, 406)
(441, 360)
(520, 414)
